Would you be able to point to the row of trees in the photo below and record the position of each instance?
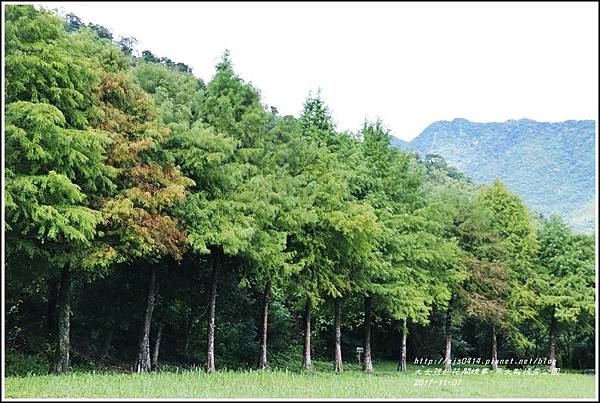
(120, 166)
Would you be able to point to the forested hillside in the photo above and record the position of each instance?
(551, 165)
(155, 219)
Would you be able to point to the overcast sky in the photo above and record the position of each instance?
(407, 63)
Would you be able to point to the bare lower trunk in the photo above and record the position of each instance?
(51, 315)
(448, 351)
(108, 340)
(61, 365)
(367, 363)
(188, 334)
(552, 352)
(143, 363)
(339, 367)
(210, 353)
(157, 345)
(262, 357)
(494, 349)
(307, 362)
(402, 363)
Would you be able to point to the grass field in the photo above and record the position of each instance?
(385, 382)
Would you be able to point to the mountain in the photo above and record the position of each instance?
(398, 143)
(550, 165)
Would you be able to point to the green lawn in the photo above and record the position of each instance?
(385, 382)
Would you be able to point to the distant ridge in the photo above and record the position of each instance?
(550, 164)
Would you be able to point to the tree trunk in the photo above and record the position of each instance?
(402, 363)
(51, 315)
(61, 365)
(143, 363)
(108, 331)
(552, 352)
(188, 334)
(339, 367)
(367, 362)
(568, 348)
(157, 345)
(108, 340)
(210, 354)
(307, 362)
(448, 351)
(494, 349)
(262, 356)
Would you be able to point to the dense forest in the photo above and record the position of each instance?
(153, 220)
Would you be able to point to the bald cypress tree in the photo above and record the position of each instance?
(230, 211)
(564, 282)
(85, 126)
(338, 236)
(141, 224)
(56, 161)
(396, 282)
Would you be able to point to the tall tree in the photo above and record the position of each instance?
(56, 162)
(486, 292)
(228, 210)
(446, 211)
(137, 216)
(336, 236)
(565, 281)
(511, 253)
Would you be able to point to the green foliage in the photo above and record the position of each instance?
(25, 365)
(512, 223)
(38, 142)
(396, 274)
(316, 116)
(55, 162)
(42, 66)
(565, 276)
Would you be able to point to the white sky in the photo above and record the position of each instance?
(410, 64)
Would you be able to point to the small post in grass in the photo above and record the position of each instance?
(359, 351)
